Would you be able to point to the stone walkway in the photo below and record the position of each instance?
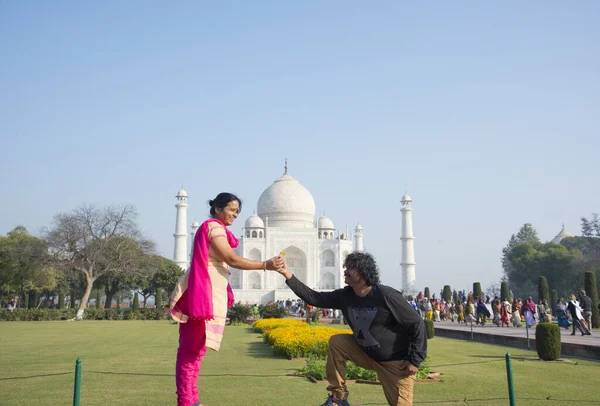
(511, 331)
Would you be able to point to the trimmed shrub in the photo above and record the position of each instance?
(455, 297)
(261, 326)
(294, 342)
(239, 313)
(427, 294)
(477, 292)
(37, 315)
(430, 329)
(158, 298)
(504, 291)
(591, 289)
(543, 290)
(554, 296)
(273, 311)
(98, 297)
(547, 341)
(136, 302)
(447, 294)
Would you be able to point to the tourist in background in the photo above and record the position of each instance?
(577, 316)
(586, 305)
(529, 312)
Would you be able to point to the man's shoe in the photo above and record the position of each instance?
(331, 401)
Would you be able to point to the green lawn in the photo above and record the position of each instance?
(132, 363)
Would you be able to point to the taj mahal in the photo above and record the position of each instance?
(285, 222)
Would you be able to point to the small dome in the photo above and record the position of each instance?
(563, 234)
(254, 222)
(325, 222)
(406, 198)
(195, 224)
(182, 193)
(358, 227)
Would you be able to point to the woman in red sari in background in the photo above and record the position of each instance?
(203, 294)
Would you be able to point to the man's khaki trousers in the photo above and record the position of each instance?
(398, 387)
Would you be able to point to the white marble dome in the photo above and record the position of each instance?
(182, 193)
(560, 236)
(286, 203)
(254, 222)
(325, 222)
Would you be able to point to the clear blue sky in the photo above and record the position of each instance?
(488, 114)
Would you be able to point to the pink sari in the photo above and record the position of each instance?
(194, 296)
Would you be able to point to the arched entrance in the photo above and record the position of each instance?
(296, 261)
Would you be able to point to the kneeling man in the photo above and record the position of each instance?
(389, 336)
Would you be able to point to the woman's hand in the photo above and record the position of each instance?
(275, 263)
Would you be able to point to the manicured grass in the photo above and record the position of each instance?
(132, 363)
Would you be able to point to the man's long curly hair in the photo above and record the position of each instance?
(365, 265)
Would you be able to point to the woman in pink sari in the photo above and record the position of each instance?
(203, 294)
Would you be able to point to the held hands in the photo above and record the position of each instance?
(276, 263)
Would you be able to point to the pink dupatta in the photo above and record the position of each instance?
(198, 298)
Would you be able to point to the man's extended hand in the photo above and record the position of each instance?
(408, 368)
(284, 270)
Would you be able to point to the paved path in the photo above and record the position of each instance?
(489, 328)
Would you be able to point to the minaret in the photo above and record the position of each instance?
(195, 227)
(181, 252)
(408, 247)
(358, 238)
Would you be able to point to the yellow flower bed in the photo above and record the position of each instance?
(260, 326)
(296, 342)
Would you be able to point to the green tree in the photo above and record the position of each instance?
(591, 227)
(591, 289)
(136, 302)
(527, 233)
(504, 291)
(532, 260)
(427, 294)
(454, 296)
(543, 289)
(447, 293)
(97, 241)
(477, 292)
(25, 266)
(164, 275)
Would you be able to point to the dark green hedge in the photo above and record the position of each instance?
(430, 329)
(90, 314)
(547, 341)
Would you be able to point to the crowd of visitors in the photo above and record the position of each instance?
(576, 312)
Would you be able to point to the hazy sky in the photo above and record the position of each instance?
(486, 113)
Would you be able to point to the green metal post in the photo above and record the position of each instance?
(527, 330)
(471, 329)
(511, 386)
(77, 391)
